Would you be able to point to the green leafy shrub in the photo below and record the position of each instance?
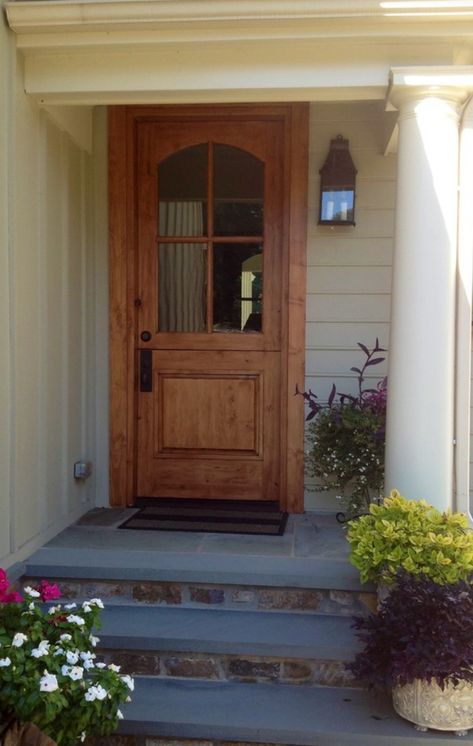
(49, 672)
(413, 536)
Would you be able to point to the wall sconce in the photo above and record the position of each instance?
(337, 185)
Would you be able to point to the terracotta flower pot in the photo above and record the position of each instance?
(428, 706)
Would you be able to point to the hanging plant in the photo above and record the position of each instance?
(346, 438)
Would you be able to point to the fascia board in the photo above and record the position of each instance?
(37, 16)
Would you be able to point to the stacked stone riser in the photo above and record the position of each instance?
(194, 595)
(238, 668)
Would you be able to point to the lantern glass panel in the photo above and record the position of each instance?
(337, 206)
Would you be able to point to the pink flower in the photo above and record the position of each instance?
(11, 598)
(4, 584)
(5, 597)
(49, 591)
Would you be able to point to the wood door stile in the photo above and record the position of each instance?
(221, 420)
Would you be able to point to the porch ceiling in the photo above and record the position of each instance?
(205, 51)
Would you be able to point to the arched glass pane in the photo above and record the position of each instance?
(182, 193)
(239, 192)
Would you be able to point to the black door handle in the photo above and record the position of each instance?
(146, 370)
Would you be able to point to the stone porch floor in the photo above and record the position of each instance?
(312, 553)
(307, 535)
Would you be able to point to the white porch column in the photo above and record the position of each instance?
(419, 438)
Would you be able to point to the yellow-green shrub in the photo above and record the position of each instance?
(413, 536)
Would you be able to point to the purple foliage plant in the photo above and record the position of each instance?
(422, 631)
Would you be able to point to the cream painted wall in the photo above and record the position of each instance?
(46, 343)
(6, 53)
(349, 268)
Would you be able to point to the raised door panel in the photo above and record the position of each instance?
(210, 433)
(205, 414)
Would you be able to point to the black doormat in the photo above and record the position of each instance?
(208, 516)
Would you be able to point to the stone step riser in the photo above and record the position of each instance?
(235, 668)
(127, 740)
(195, 595)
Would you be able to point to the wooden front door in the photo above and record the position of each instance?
(210, 224)
(207, 228)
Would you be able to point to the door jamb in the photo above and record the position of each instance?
(122, 278)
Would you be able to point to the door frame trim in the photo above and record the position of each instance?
(122, 289)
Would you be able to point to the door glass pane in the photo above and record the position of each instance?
(239, 190)
(182, 193)
(237, 287)
(182, 272)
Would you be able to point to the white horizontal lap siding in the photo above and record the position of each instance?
(349, 268)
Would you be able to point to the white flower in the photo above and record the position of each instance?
(42, 649)
(31, 592)
(59, 651)
(113, 667)
(54, 609)
(119, 714)
(70, 606)
(95, 692)
(85, 654)
(65, 637)
(83, 735)
(31, 606)
(129, 682)
(72, 657)
(48, 682)
(4, 662)
(74, 619)
(100, 665)
(86, 607)
(19, 639)
(96, 602)
(88, 664)
(94, 640)
(74, 672)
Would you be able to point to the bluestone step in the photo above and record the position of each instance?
(261, 713)
(133, 565)
(225, 631)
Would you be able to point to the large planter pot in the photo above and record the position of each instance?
(428, 706)
(27, 734)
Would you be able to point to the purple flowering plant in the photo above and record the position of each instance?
(346, 437)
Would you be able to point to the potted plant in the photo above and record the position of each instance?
(420, 645)
(413, 536)
(345, 438)
(49, 672)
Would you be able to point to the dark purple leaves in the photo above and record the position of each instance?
(422, 631)
(370, 398)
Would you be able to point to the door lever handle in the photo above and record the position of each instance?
(146, 370)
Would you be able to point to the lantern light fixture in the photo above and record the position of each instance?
(337, 185)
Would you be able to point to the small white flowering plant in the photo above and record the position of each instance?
(49, 672)
(346, 437)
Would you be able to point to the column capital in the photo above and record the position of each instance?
(452, 83)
